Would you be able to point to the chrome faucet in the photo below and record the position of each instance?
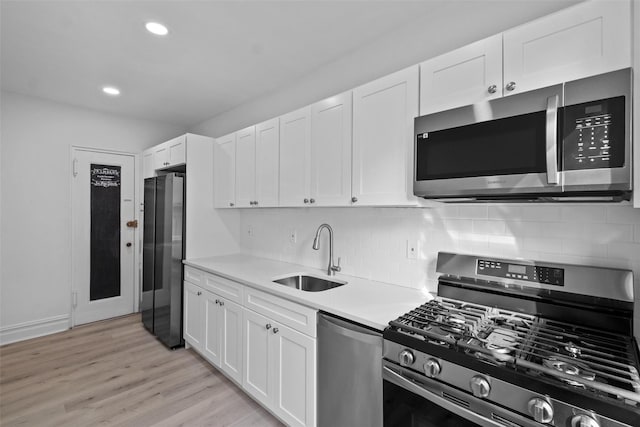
(331, 269)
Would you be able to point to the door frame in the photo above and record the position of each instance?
(137, 257)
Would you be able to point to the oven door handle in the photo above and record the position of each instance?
(401, 381)
(552, 140)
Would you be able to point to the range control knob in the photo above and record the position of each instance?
(541, 410)
(583, 421)
(432, 368)
(480, 386)
(406, 358)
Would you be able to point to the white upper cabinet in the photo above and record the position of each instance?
(330, 171)
(383, 114)
(148, 167)
(246, 167)
(177, 149)
(315, 154)
(267, 162)
(295, 161)
(467, 75)
(160, 156)
(590, 38)
(224, 172)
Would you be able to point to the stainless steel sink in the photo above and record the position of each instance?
(309, 283)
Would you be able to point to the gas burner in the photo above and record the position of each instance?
(572, 349)
(571, 368)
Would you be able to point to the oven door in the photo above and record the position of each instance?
(413, 400)
(502, 147)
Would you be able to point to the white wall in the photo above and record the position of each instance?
(448, 27)
(35, 197)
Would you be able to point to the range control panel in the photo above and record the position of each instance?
(593, 134)
(531, 273)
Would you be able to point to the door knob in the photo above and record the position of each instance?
(492, 89)
(129, 244)
(511, 86)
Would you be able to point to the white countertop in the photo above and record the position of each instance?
(364, 301)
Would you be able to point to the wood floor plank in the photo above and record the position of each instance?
(114, 373)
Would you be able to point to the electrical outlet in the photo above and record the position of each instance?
(412, 249)
(250, 230)
(293, 236)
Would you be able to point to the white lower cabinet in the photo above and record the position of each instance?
(213, 326)
(265, 343)
(280, 368)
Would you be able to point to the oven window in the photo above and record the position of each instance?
(405, 409)
(513, 145)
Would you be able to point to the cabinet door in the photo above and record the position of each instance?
(331, 151)
(148, 167)
(267, 163)
(246, 167)
(193, 315)
(383, 114)
(224, 172)
(161, 156)
(231, 339)
(211, 323)
(467, 75)
(177, 148)
(295, 151)
(589, 38)
(295, 372)
(257, 375)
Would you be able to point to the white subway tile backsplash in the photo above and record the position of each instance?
(473, 212)
(541, 213)
(623, 214)
(372, 241)
(580, 214)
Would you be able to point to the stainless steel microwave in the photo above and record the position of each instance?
(567, 142)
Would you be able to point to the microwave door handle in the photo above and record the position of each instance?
(552, 140)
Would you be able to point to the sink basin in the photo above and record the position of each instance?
(309, 283)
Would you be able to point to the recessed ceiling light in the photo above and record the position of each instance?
(156, 28)
(110, 90)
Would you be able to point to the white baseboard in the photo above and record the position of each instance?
(33, 329)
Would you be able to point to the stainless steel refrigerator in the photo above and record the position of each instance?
(162, 254)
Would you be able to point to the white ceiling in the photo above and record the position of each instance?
(218, 55)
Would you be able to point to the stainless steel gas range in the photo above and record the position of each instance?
(515, 343)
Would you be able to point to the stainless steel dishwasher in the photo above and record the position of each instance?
(349, 374)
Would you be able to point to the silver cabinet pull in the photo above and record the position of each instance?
(511, 86)
(217, 301)
(354, 199)
(231, 204)
(221, 303)
(268, 326)
(312, 200)
(306, 200)
(275, 330)
(255, 203)
(198, 293)
(492, 89)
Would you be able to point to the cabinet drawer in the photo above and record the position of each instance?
(295, 316)
(193, 275)
(225, 288)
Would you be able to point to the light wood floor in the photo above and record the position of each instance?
(115, 373)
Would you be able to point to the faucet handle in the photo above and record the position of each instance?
(337, 267)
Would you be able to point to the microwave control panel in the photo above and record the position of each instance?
(593, 134)
(530, 273)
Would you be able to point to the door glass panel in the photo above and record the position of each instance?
(513, 145)
(105, 232)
